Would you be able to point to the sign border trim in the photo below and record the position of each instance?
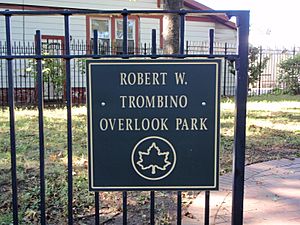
(216, 62)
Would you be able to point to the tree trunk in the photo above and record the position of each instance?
(171, 23)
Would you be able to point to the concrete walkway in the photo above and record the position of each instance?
(272, 196)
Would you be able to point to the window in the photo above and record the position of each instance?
(103, 28)
(130, 29)
(130, 36)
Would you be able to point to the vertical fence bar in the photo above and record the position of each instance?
(25, 73)
(182, 28)
(15, 69)
(48, 88)
(225, 70)
(240, 120)
(125, 52)
(69, 116)
(260, 72)
(41, 123)
(206, 209)
(153, 42)
(11, 105)
(21, 78)
(187, 47)
(152, 193)
(2, 79)
(179, 211)
(152, 207)
(181, 52)
(97, 206)
(211, 41)
(95, 42)
(124, 207)
(125, 24)
(145, 48)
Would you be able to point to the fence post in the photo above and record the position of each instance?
(145, 48)
(211, 42)
(97, 205)
(240, 120)
(11, 104)
(125, 52)
(187, 47)
(260, 72)
(206, 209)
(152, 193)
(125, 42)
(69, 116)
(182, 28)
(95, 42)
(225, 70)
(153, 42)
(40, 90)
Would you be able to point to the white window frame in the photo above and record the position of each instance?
(109, 26)
(134, 30)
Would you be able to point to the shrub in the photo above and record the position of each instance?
(53, 72)
(289, 76)
(257, 63)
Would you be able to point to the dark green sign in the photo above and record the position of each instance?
(153, 124)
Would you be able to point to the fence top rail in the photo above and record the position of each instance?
(123, 12)
(125, 56)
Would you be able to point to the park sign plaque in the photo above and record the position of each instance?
(153, 124)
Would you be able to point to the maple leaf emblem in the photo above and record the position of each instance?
(153, 159)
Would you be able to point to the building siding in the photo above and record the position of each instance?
(146, 26)
(24, 28)
(198, 31)
(89, 4)
(223, 34)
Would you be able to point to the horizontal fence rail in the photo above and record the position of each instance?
(22, 78)
(230, 13)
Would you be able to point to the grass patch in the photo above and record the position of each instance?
(273, 130)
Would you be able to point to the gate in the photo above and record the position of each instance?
(241, 59)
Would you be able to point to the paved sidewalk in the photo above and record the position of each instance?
(272, 196)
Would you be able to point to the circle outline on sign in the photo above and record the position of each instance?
(162, 139)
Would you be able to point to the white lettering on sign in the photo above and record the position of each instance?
(159, 101)
(180, 78)
(139, 78)
(155, 101)
(191, 124)
(129, 124)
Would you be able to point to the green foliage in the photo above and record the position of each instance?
(53, 72)
(81, 64)
(278, 91)
(289, 75)
(257, 63)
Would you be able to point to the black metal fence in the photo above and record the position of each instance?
(14, 57)
(268, 81)
(25, 86)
